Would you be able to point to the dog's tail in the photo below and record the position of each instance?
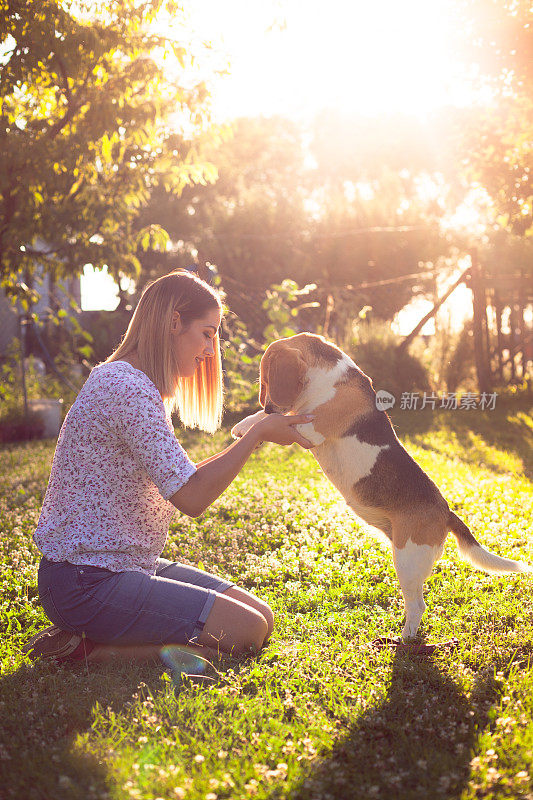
(472, 551)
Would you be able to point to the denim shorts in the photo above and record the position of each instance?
(170, 607)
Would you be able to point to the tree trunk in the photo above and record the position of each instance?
(499, 345)
(522, 323)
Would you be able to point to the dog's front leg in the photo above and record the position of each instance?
(245, 424)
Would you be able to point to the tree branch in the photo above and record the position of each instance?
(54, 129)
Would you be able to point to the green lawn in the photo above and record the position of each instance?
(319, 713)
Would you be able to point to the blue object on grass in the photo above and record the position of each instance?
(182, 660)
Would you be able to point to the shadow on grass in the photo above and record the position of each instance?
(416, 744)
(510, 434)
(43, 709)
(502, 429)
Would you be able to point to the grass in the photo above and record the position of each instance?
(319, 713)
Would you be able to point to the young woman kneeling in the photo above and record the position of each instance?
(119, 474)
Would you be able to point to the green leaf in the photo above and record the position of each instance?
(86, 351)
(90, 172)
(106, 148)
(134, 263)
(287, 332)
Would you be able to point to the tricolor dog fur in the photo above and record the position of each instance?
(357, 449)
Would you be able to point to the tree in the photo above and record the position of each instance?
(86, 91)
(497, 47)
(305, 204)
(249, 223)
(380, 199)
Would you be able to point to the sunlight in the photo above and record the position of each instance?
(472, 215)
(452, 315)
(358, 57)
(98, 290)
(300, 60)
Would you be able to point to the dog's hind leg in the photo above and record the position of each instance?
(414, 563)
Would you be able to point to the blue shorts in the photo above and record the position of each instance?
(170, 607)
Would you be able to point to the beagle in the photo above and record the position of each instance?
(357, 449)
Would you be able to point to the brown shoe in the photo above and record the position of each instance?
(52, 643)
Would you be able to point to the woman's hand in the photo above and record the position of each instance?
(280, 429)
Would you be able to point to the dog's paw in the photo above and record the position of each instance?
(245, 424)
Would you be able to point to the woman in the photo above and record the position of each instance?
(117, 477)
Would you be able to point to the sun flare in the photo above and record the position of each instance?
(301, 60)
(358, 57)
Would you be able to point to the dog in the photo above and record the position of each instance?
(358, 450)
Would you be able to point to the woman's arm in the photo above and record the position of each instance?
(215, 474)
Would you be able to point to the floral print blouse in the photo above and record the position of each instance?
(116, 463)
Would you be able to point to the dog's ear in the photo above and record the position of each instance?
(263, 378)
(286, 372)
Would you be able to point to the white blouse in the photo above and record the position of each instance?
(116, 463)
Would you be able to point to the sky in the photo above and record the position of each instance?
(375, 56)
(300, 57)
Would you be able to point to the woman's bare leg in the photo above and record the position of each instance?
(250, 600)
(233, 626)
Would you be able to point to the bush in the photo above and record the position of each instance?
(242, 355)
(460, 369)
(374, 348)
(106, 329)
(241, 359)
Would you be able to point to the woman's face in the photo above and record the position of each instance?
(195, 342)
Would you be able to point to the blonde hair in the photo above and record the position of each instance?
(199, 398)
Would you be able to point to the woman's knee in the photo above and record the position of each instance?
(234, 627)
(269, 616)
(254, 602)
(266, 612)
(256, 631)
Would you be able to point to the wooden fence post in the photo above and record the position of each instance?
(481, 357)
